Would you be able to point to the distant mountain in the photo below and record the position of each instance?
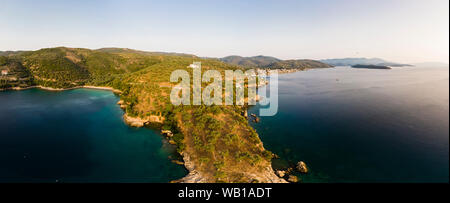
(297, 64)
(250, 62)
(111, 50)
(126, 50)
(8, 53)
(361, 61)
(272, 62)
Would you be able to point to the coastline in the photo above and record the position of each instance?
(61, 89)
(194, 176)
(288, 70)
(266, 176)
(128, 120)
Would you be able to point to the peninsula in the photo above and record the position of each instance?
(216, 142)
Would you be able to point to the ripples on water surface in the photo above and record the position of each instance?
(362, 125)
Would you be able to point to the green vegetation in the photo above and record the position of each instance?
(250, 62)
(297, 64)
(267, 62)
(219, 140)
(68, 67)
(17, 76)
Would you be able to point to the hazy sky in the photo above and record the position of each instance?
(397, 30)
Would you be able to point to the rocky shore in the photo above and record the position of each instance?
(134, 122)
(267, 175)
(137, 121)
(61, 89)
(37, 86)
(194, 176)
(283, 71)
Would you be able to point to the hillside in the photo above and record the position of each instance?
(217, 143)
(17, 74)
(125, 50)
(297, 64)
(250, 62)
(268, 62)
(9, 53)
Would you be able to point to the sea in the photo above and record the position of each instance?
(78, 136)
(346, 124)
(362, 125)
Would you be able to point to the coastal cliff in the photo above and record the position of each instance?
(242, 166)
(195, 176)
(141, 122)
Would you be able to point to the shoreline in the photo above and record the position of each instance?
(130, 121)
(193, 176)
(61, 89)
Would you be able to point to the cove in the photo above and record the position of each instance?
(77, 136)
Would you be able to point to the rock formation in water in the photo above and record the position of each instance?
(301, 167)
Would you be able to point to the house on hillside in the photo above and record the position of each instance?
(4, 72)
(195, 65)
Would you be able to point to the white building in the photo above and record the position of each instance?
(196, 65)
(4, 72)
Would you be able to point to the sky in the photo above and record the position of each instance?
(406, 31)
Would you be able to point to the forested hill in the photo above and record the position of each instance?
(298, 64)
(7, 53)
(217, 143)
(273, 63)
(250, 62)
(69, 67)
(63, 67)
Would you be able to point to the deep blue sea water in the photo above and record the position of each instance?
(348, 125)
(362, 125)
(77, 136)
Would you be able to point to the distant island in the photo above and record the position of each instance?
(371, 66)
(362, 61)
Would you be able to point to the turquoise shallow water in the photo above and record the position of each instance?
(77, 136)
(362, 125)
